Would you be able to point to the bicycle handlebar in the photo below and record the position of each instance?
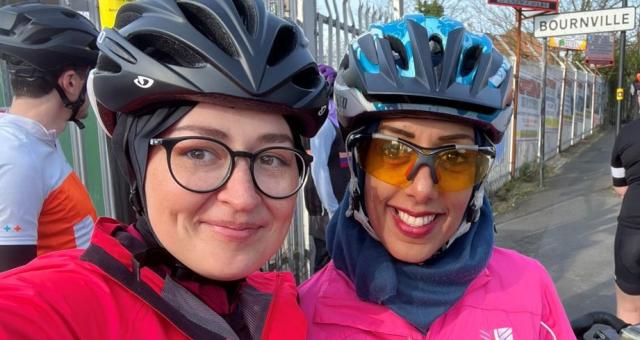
(582, 324)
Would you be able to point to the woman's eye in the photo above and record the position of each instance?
(198, 154)
(395, 150)
(272, 161)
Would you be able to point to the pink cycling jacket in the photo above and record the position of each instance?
(512, 299)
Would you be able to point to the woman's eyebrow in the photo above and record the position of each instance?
(398, 131)
(203, 131)
(272, 138)
(268, 138)
(455, 137)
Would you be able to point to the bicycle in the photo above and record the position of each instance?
(603, 325)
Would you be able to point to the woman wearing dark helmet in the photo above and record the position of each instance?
(422, 103)
(206, 102)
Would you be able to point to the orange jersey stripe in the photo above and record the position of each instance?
(64, 212)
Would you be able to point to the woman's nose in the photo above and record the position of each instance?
(240, 191)
(422, 187)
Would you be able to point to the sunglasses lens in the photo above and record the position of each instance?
(388, 161)
(392, 162)
(460, 169)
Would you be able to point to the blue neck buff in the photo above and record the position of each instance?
(419, 293)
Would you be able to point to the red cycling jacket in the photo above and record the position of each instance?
(94, 294)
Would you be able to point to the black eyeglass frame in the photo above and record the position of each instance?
(426, 156)
(170, 142)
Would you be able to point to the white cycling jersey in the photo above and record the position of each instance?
(42, 200)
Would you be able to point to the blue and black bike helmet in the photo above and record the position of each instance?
(424, 66)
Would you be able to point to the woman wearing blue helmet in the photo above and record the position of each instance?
(422, 103)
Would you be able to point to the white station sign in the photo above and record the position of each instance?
(574, 23)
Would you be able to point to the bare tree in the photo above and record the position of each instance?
(452, 8)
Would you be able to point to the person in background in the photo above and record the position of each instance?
(44, 206)
(330, 175)
(206, 103)
(422, 102)
(625, 171)
(634, 89)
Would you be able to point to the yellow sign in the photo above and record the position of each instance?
(619, 94)
(577, 43)
(108, 10)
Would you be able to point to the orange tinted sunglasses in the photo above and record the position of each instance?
(396, 161)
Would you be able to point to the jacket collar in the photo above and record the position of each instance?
(340, 305)
(31, 126)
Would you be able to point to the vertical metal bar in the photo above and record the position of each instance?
(320, 53)
(360, 16)
(514, 117)
(584, 110)
(279, 8)
(623, 42)
(561, 111)
(77, 149)
(353, 22)
(345, 29)
(4, 77)
(293, 10)
(593, 102)
(338, 24)
(543, 113)
(310, 25)
(573, 111)
(330, 37)
(398, 9)
(367, 18)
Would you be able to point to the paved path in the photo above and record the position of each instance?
(569, 226)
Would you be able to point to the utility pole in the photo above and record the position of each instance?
(516, 76)
(543, 109)
(623, 42)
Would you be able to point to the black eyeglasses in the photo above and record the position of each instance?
(201, 164)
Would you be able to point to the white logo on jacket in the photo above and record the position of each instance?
(505, 333)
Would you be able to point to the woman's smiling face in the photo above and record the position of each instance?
(231, 232)
(414, 222)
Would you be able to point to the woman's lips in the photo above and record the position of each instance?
(415, 225)
(232, 231)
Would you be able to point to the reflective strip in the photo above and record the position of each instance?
(548, 329)
(617, 172)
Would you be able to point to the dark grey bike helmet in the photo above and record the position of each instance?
(164, 56)
(424, 66)
(40, 41)
(206, 51)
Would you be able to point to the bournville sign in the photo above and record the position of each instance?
(608, 20)
(542, 5)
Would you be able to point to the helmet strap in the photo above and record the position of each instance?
(73, 106)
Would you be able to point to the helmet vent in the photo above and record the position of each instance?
(124, 19)
(399, 52)
(106, 64)
(283, 44)
(470, 60)
(437, 51)
(208, 25)
(69, 14)
(308, 79)
(247, 12)
(167, 50)
(38, 39)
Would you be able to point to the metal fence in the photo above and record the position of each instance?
(575, 102)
